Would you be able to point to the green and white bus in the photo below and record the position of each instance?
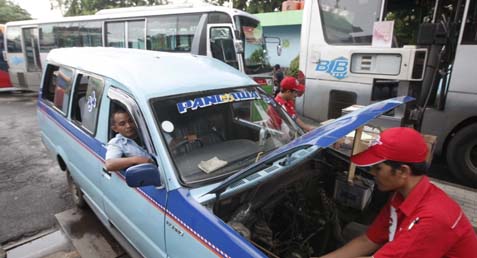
(232, 36)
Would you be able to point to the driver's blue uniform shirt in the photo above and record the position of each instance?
(120, 147)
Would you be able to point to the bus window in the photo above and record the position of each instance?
(67, 35)
(136, 34)
(83, 34)
(349, 21)
(255, 56)
(172, 33)
(115, 34)
(216, 17)
(91, 33)
(47, 38)
(222, 45)
(14, 44)
(470, 29)
(30, 42)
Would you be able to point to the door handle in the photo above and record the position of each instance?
(106, 172)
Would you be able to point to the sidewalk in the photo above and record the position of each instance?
(465, 196)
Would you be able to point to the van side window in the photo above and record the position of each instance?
(87, 99)
(116, 105)
(57, 87)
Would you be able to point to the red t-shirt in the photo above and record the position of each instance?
(428, 223)
(288, 105)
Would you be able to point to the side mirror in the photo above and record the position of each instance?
(275, 40)
(143, 175)
(279, 50)
(239, 46)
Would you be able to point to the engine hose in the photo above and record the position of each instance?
(264, 250)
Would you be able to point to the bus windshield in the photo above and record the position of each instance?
(349, 21)
(255, 51)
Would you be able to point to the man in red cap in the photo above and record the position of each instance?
(419, 220)
(289, 88)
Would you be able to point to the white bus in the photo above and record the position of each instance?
(230, 35)
(433, 62)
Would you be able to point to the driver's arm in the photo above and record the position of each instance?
(123, 163)
(115, 161)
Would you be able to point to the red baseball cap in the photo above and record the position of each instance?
(289, 83)
(400, 144)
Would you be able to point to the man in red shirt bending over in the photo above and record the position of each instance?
(289, 89)
(419, 220)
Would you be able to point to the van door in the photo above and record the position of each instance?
(221, 44)
(83, 148)
(138, 213)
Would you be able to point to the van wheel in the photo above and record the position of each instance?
(76, 192)
(462, 154)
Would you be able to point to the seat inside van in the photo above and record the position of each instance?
(81, 103)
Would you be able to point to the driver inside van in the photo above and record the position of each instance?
(123, 150)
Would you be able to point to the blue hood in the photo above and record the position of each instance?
(321, 137)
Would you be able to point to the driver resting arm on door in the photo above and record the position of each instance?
(123, 151)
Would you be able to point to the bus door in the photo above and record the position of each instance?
(32, 52)
(126, 34)
(221, 44)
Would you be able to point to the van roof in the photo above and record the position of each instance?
(152, 73)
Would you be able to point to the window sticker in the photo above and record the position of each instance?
(92, 101)
(206, 101)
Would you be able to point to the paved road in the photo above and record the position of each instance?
(32, 187)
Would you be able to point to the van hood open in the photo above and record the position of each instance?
(321, 137)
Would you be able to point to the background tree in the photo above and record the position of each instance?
(12, 12)
(293, 67)
(84, 7)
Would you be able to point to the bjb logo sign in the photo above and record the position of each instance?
(337, 67)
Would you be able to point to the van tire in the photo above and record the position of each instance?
(461, 154)
(76, 193)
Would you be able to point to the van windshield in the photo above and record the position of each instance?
(214, 134)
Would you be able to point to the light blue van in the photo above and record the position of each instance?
(233, 175)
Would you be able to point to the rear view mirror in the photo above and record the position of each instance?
(143, 175)
(239, 46)
(275, 40)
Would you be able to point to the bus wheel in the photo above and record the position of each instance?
(462, 154)
(75, 190)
